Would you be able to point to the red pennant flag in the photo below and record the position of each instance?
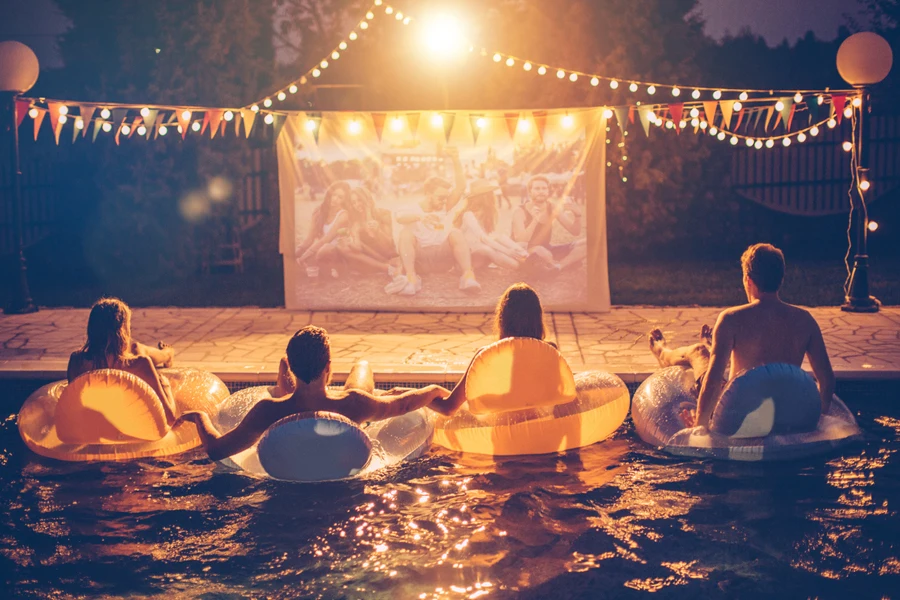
(41, 113)
(205, 122)
(447, 119)
(512, 121)
(631, 115)
(473, 124)
(740, 118)
(676, 109)
(53, 109)
(87, 113)
(413, 120)
(22, 107)
(184, 123)
(378, 122)
(791, 117)
(215, 120)
(838, 101)
(709, 108)
(540, 121)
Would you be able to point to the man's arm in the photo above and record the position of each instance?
(520, 233)
(361, 406)
(821, 365)
(247, 432)
(722, 346)
(569, 219)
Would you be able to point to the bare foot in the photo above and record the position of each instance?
(657, 345)
(706, 334)
(169, 350)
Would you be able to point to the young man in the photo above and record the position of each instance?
(309, 358)
(428, 241)
(532, 225)
(764, 331)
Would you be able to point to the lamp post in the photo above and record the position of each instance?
(18, 72)
(863, 60)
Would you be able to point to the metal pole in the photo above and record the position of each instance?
(20, 303)
(858, 298)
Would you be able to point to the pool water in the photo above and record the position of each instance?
(617, 519)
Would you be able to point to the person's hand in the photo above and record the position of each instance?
(192, 416)
(539, 215)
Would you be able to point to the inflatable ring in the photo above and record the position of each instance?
(113, 415)
(322, 446)
(757, 417)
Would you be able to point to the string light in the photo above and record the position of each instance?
(268, 101)
(857, 102)
(107, 127)
(437, 120)
(352, 37)
(281, 96)
(63, 110)
(316, 72)
(864, 185)
(734, 140)
(324, 64)
(801, 137)
(542, 70)
(743, 97)
(228, 115)
(196, 124)
(872, 226)
(820, 99)
(389, 10)
(560, 74)
(717, 95)
(481, 122)
(310, 125)
(737, 106)
(695, 112)
(568, 121)
(254, 108)
(145, 112)
(406, 21)
(612, 84)
(750, 142)
(370, 15)
(510, 62)
(163, 130)
(758, 145)
(779, 106)
(33, 113)
(523, 125)
(293, 88)
(651, 90)
(595, 82)
(831, 123)
(847, 146)
(335, 55)
(396, 124)
(814, 131)
(573, 77)
(497, 57)
(364, 25)
(186, 115)
(141, 130)
(798, 97)
(607, 113)
(62, 119)
(713, 131)
(676, 92)
(354, 127)
(695, 94)
(527, 66)
(79, 123)
(104, 113)
(695, 122)
(848, 112)
(269, 119)
(342, 45)
(399, 16)
(786, 142)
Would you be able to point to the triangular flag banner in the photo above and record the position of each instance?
(473, 123)
(118, 131)
(838, 101)
(709, 108)
(237, 123)
(622, 117)
(22, 107)
(631, 115)
(727, 107)
(205, 123)
(215, 121)
(447, 119)
(676, 109)
(98, 125)
(787, 111)
(644, 115)
(812, 106)
(412, 119)
(118, 115)
(57, 130)
(378, 122)
(540, 122)
(247, 116)
(41, 113)
(512, 121)
(759, 112)
(75, 130)
(87, 113)
(185, 123)
(740, 118)
(135, 125)
(769, 112)
(791, 116)
(150, 122)
(53, 109)
(278, 125)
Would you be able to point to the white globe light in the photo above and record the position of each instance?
(63, 110)
(19, 67)
(864, 58)
(595, 82)
(676, 92)
(281, 96)
(195, 126)
(145, 112)
(141, 130)
(228, 115)
(770, 143)
(542, 70)
(695, 94)
(612, 84)
(734, 140)
(104, 113)
(633, 87)
(107, 127)
(269, 119)
(163, 130)
(786, 142)
(801, 137)
(63, 119)
(717, 95)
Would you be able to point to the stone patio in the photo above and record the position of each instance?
(244, 344)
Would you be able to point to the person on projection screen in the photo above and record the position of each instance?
(532, 226)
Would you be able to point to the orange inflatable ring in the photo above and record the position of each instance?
(113, 415)
(524, 399)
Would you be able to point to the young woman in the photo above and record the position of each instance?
(109, 346)
(329, 224)
(477, 219)
(518, 314)
(370, 241)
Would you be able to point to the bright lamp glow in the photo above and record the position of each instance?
(873, 225)
(79, 123)
(444, 36)
(695, 94)
(269, 119)
(847, 146)
(560, 74)
(573, 77)
(163, 130)
(354, 127)
(145, 112)
(510, 62)
(195, 126)
(185, 116)
(267, 102)
(651, 90)
(770, 143)
(607, 113)
(107, 127)
(786, 142)
(33, 113)
(310, 125)
(141, 130)
(864, 185)
(832, 123)
(523, 125)
(63, 110)
(717, 95)
(568, 121)
(481, 122)
(633, 87)
(104, 113)
(63, 119)
(228, 115)
(801, 137)
(676, 92)
(281, 96)
(542, 70)
(396, 124)
(857, 102)
(779, 106)
(798, 97)
(613, 84)
(437, 120)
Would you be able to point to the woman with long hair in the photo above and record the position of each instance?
(370, 242)
(477, 219)
(109, 346)
(518, 314)
(329, 224)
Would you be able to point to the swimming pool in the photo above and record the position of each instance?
(616, 519)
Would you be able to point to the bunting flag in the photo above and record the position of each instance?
(75, 130)
(237, 123)
(787, 112)
(740, 118)
(676, 109)
(378, 122)
(709, 109)
(631, 114)
(769, 112)
(98, 125)
(205, 123)
(622, 117)
(87, 113)
(812, 107)
(473, 125)
(41, 113)
(412, 119)
(644, 115)
(278, 125)
(186, 123)
(759, 112)
(135, 125)
(118, 131)
(150, 122)
(540, 122)
(22, 107)
(53, 109)
(512, 121)
(838, 101)
(247, 116)
(727, 108)
(57, 130)
(119, 115)
(447, 120)
(791, 116)
(215, 121)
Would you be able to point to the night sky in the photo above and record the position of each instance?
(38, 22)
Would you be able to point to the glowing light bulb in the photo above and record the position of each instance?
(105, 113)
(786, 142)
(607, 113)
(872, 226)
(342, 45)
(568, 121)
(814, 131)
(670, 125)
(695, 122)
(864, 185)
(370, 15)
(364, 25)
(33, 113)
(770, 143)
(310, 125)
(734, 140)
(713, 131)
(186, 115)
(542, 70)
(379, 2)
(749, 142)
(406, 20)
(293, 88)
(510, 62)
(324, 64)
(801, 137)
(857, 102)
(254, 108)
(389, 10)
(848, 112)
(354, 127)
(228, 115)
(779, 106)
(481, 122)
(352, 36)
(743, 97)
(107, 127)
(399, 16)
(758, 144)
(141, 130)
(633, 87)
(682, 124)
(267, 102)
(560, 74)
(573, 77)
(335, 55)
(651, 90)
(695, 113)
(163, 130)
(527, 66)
(63, 110)
(832, 123)
(437, 120)
(79, 123)
(523, 125)
(145, 112)
(676, 92)
(281, 96)
(717, 95)
(847, 146)
(613, 84)
(595, 82)
(63, 119)
(180, 129)
(737, 106)
(316, 72)
(269, 119)
(303, 80)
(820, 99)
(695, 94)
(195, 126)
(798, 97)
(497, 57)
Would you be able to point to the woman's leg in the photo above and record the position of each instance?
(162, 355)
(695, 356)
(361, 378)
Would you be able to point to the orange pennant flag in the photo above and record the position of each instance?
(215, 120)
(727, 107)
(413, 120)
(540, 121)
(769, 112)
(448, 119)
(378, 122)
(53, 108)
(512, 121)
(183, 122)
(709, 108)
(87, 113)
(41, 113)
(135, 125)
(247, 116)
(237, 123)
(740, 118)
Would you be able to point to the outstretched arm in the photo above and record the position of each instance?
(723, 344)
(449, 405)
(240, 438)
(821, 366)
(361, 406)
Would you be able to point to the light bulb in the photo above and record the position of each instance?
(186, 115)
(437, 120)
(670, 125)
(310, 125)
(770, 143)
(354, 127)
(737, 106)
(743, 97)
(848, 112)
(676, 92)
(758, 144)
(335, 55)
(33, 113)
(481, 122)
(370, 15)
(633, 87)
(786, 142)
(255, 108)
(695, 122)
(63, 119)
(352, 36)
(141, 130)
(595, 82)
(399, 16)
(695, 113)
(497, 57)
(749, 142)
(872, 226)
(798, 97)
(324, 64)
(145, 112)
(717, 95)
(228, 115)
(396, 124)
(342, 45)
(523, 125)
(527, 66)
(107, 127)
(293, 88)
(695, 94)
(847, 146)
(79, 123)
(651, 90)
(713, 131)
(510, 62)
(378, 2)
(196, 124)
(857, 102)
(814, 131)
(163, 130)
(607, 113)
(542, 70)
(267, 102)
(734, 140)
(389, 10)
(364, 25)
(568, 121)
(406, 21)
(682, 124)
(613, 84)
(801, 137)
(820, 99)
(269, 119)
(573, 77)
(180, 129)
(560, 74)
(105, 113)
(281, 96)
(316, 72)
(832, 123)
(64, 110)
(779, 106)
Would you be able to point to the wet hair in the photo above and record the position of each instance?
(322, 212)
(764, 265)
(435, 182)
(309, 353)
(483, 207)
(519, 313)
(535, 179)
(108, 332)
